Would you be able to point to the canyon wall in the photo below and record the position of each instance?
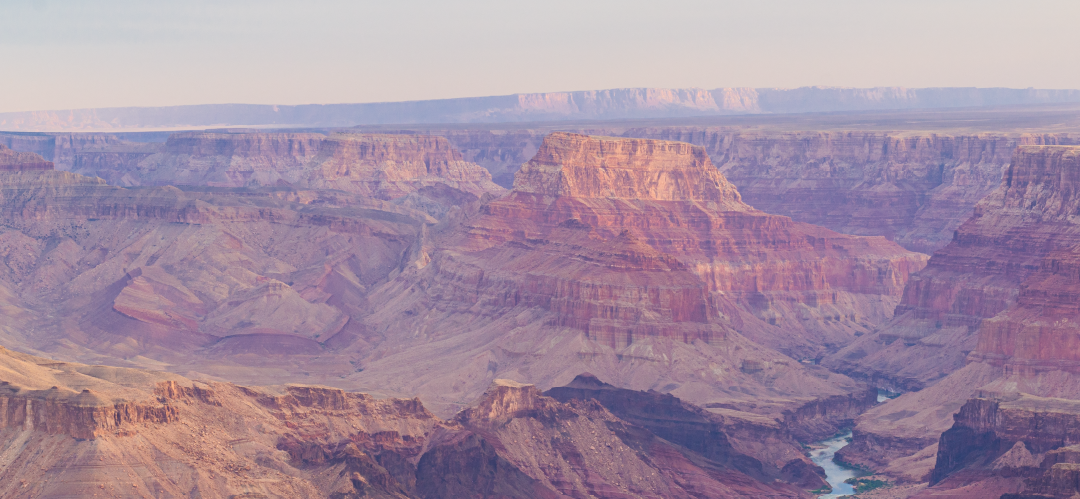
(21, 161)
(994, 310)
(613, 249)
(909, 186)
(914, 187)
(134, 433)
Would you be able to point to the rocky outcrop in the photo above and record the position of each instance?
(174, 437)
(12, 161)
(82, 415)
(912, 187)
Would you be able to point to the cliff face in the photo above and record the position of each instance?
(22, 161)
(981, 273)
(599, 256)
(1012, 443)
(133, 433)
(1003, 290)
(379, 166)
(914, 188)
(762, 450)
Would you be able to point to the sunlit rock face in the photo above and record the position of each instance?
(611, 249)
(995, 310)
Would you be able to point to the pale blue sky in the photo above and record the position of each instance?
(60, 54)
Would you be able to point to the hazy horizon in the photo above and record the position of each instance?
(66, 54)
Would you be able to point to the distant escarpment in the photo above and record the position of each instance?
(617, 103)
(134, 433)
(995, 308)
(913, 187)
(621, 257)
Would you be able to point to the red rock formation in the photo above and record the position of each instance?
(912, 187)
(977, 276)
(1026, 440)
(1004, 290)
(625, 245)
(132, 433)
(22, 161)
(763, 451)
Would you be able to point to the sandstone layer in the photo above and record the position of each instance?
(73, 430)
(21, 161)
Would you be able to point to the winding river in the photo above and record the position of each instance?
(834, 473)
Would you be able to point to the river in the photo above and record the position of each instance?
(834, 473)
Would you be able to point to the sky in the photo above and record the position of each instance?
(62, 54)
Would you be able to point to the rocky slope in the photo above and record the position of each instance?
(914, 187)
(78, 430)
(1003, 290)
(1010, 445)
(635, 260)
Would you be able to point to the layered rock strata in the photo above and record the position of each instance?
(147, 275)
(1015, 444)
(179, 438)
(914, 187)
(12, 161)
(1003, 290)
(619, 256)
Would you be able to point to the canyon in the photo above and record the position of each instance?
(986, 328)
(621, 103)
(739, 290)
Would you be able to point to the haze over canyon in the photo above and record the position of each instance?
(662, 293)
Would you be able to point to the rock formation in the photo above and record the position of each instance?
(618, 257)
(12, 161)
(78, 430)
(1003, 290)
(372, 166)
